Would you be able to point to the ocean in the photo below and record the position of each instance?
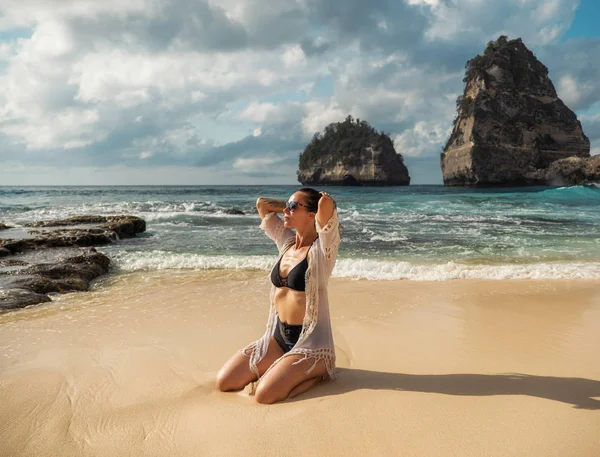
(413, 232)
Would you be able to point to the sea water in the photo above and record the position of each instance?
(412, 232)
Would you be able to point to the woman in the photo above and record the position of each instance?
(297, 348)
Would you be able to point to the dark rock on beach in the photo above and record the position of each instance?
(4, 226)
(74, 261)
(74, 273)
(234, 211)
(121, 226)
(511, 126)
(30, 284)
(80, 231)
(13, 263)
(19, 298)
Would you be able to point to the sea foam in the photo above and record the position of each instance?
(161, 260)
(374, 270)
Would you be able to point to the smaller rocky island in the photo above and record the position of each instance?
(512, 128)
(57, 256)
(352, 153)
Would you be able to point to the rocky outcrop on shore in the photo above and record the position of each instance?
(57, 257)
(234, 212)
(570, 171)
(352, 153)
(511, 126)
(31, 284)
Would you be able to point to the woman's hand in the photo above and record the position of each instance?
(326, 207)
(326, 196)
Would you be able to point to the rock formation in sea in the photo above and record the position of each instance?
(352, 153)
(58, 257)
(511, 127)
(570, 171)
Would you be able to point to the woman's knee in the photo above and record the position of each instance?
(265, 395)
(229, 378)
(235, 374)
(223, 381)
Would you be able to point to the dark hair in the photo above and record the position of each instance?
(312, 198)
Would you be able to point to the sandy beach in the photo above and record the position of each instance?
(448, 368)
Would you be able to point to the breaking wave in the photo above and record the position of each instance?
(374, 270)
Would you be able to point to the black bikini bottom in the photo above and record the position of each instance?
(286, 335)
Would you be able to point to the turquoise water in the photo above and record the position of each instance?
(414, 232)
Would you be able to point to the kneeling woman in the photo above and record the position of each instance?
(297, 348)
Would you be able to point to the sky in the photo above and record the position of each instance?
(221, 92)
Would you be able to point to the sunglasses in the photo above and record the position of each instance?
(293, 205)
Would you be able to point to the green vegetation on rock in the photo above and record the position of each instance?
(474, 66)
(343, 142)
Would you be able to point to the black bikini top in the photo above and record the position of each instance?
(295, 278)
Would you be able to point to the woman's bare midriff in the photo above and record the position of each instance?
(290, 305)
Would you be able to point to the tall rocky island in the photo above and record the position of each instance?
(352, 153)
(511, 127)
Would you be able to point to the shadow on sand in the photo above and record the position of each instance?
(578, 392)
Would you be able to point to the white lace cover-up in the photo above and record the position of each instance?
(316, 339)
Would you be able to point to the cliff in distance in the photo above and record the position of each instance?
(352, 153)
(511, 127)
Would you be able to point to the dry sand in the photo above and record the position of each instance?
(457, 368)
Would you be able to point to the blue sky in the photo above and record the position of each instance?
(585, 23)
(231, 91)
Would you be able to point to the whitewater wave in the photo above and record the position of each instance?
(161, 260)
(377, 270)
(589, 190)
(151, 211)
(374, 270)
(389, 237)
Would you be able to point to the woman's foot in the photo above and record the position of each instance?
(303, 387)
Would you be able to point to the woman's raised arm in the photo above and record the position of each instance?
(271, 223)
(326, 208)
(328, 229)
(269, 205)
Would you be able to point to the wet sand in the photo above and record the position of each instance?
(454, 368)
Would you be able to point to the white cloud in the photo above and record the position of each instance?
(536, 21)
(319, 115)
(76, 144)
(259, 112)
(430, 3)
(421, 139)
(51, 39)
(6, 50)
(273, 114)
(548, 10)
(568, 90)
(16, 13)
(551, 33)
(255, 164)
(69, 129)
(293, 56)
(197, 96)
